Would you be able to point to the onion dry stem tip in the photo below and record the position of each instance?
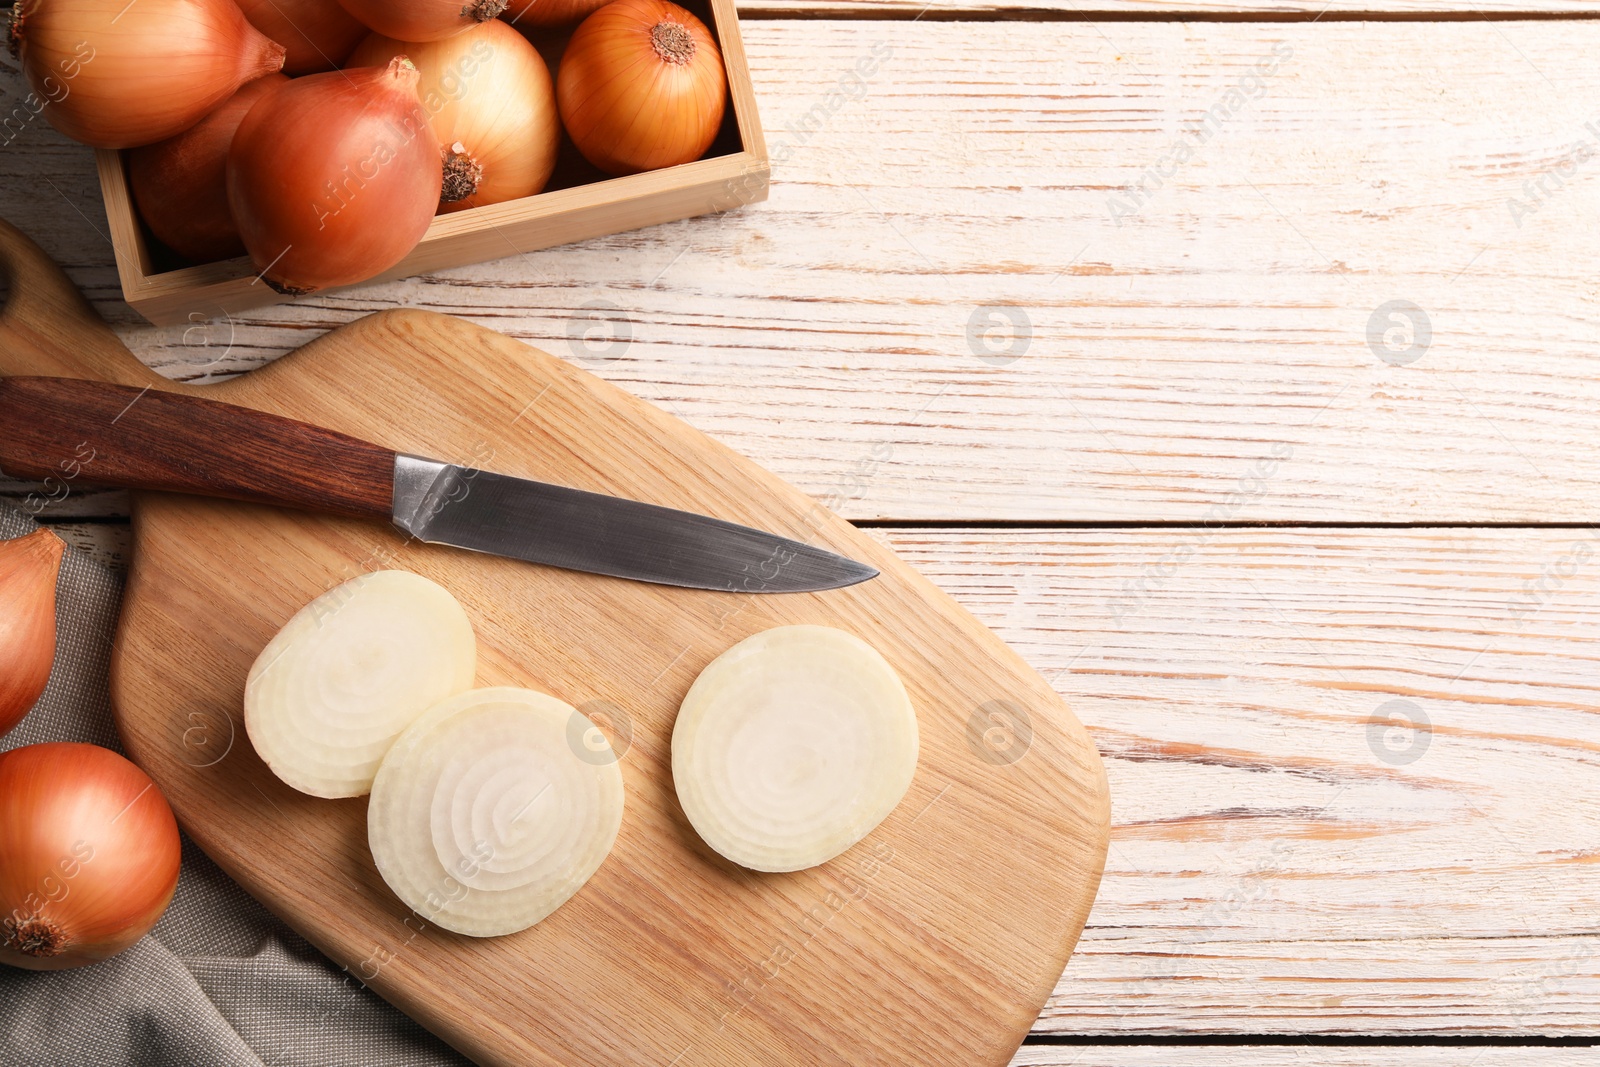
(484, 10)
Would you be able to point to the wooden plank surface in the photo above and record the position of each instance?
(1301, 1056)
(955, 960)
(1207, 358)
(1285, 858)
(1277, 866)
(1272, 871)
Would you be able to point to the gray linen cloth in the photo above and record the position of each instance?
(219, 982)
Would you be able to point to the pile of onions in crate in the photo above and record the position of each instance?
(320, 137)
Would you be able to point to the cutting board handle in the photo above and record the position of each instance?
(47, 327)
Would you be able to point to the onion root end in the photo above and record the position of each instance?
(35, 938)
(462, 174)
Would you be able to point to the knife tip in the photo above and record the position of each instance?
(850, 573)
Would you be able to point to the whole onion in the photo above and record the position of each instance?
(29, 567)
(334, 177)
(89, 855)
(180, 184)
(641, 86)
(492, 106)
(317, 34)
(117, 74)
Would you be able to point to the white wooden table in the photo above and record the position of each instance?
(1155, 416)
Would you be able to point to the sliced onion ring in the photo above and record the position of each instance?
(484, 819)
(792, 746)
(355, 667)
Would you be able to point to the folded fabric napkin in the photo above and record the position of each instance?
(219, 982)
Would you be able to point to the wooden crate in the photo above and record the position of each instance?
(733, 174)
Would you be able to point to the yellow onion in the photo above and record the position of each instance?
(550, 14)
(180, 184)
(28, 570)
(422, 20)
(641, 86)
(317, 34)
(117, 74)
(492, 106)
(89, 855)
(334, 177)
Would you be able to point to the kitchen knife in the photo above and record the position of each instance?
(115, 435)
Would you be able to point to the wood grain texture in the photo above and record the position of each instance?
(936, 939)
(1270, 872)
(65, 501)
(1168, 356)
(116, 435)
(1286, 856)
(1433, 897)
(1301, 1056)
(46, 325)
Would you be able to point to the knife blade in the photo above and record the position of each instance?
(141, 439)
(441, 503)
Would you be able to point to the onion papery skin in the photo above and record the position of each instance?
(119, 75)
(180, 185)
(334, 178)
(792, 746)
(484, 818)
(626, 105)
(550, 14)
(489, 91)
(89, 855)
(349, 672)
(29, 568)
(422, 20)
(317, 35)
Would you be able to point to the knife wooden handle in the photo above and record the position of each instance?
(117, 435)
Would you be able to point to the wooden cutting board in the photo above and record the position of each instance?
(934, 941)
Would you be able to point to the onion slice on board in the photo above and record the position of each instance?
(792, 746)
(485, 817)
(355, 667)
